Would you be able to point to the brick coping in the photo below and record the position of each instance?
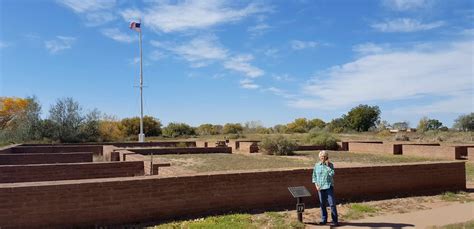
(237, 173)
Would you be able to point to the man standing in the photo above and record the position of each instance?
(323, 174)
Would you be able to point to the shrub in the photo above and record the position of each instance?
(182, 145)
(384, 133)
(277, 145)
(465, 122)
(151, 126)
(322, 139)
(232, 128)
(401, 137)
(234, 136)
(178, 129)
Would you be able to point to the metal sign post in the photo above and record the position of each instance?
(298, 193)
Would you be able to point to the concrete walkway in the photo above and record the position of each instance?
(456, 213)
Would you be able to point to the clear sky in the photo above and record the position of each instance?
(235, 61)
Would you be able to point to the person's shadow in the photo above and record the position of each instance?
(370, 225)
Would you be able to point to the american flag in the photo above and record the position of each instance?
(135, 26)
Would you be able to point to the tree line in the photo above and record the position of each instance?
(67, 121)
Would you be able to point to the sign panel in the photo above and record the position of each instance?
(299, 191)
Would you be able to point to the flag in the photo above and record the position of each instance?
(135, 26)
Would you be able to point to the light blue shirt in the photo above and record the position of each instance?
(323, 175)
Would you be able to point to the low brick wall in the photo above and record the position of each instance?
(38, 158)
(309, 147)
(96, 149)
(470, 153)
(441, 152)
(202, 144)
(69, 171)
(195, 150)
(154, 144)
(374, 148)
(109, 201)
(383, 148)
(7, 149)
(235, 144)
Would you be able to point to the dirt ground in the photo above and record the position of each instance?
(387, 207)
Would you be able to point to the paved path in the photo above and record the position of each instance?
(456, 213)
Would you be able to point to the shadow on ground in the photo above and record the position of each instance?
(371, 225)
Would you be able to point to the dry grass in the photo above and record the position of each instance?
(303, 159)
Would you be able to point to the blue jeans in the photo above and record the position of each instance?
(327, 195)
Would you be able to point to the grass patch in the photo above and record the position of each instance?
(272, 220)
(358, 211)
(365, 158)
(239, 221)
(229, 162)
(302, 159)
(456, 197)
(465, 225)
(469, 171)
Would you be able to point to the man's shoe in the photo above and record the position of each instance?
(334, 224)
(322, 223)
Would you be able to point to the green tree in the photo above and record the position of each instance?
(20, 119)
(174, 130)
(207, 129)
(69, 124)
(464, 122)
(422, 125)
(316, 123)
(67, 118)
(362, 117)
(280, 129)
(401, 125)
(233, 128)
(89, 130)
(337, 125)
(299, 125)
(151, 126)
(434, 124)
(426, 124)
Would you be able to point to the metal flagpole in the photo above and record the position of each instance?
(141, 136)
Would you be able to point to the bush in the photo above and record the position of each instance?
(401, 137)
(322, 139)
(234, 136)
(465, 122)
(384, 133)
(151, 126)
(278, 145)
(232, 128)
(178, 129)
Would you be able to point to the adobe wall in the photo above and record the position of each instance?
(309, 147)
(470, 153)
(154, 144)
(441, 152)
(149, 198)
(69, 171)
(374, 148)
(235, 144)
(7, 149)
(192, 150)
(38, 158)
(96, 149)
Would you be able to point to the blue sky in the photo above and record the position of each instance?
(237, 61)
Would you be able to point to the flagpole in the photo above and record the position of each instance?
(141, 136)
